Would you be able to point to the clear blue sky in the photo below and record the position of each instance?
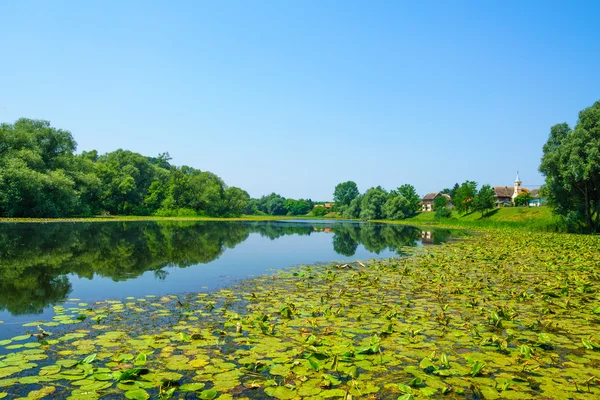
(297, 96)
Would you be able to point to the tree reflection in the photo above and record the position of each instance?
(35, 259)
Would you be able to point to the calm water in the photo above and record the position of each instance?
(42, 265)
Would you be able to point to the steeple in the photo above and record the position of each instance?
(518, 189)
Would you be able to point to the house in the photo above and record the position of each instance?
(326, 205)
(506, 195)
(430, 198)
(536, 198)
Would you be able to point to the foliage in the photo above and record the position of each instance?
(344, 193)
(451, 192)
(319, 211)
(571, 165)
(372, 202)
(414, 200)
(353, 210)
(298, 207)
(396, 207)
(523, 199)
(40, 176)
(484, 199)
(480, 318)
(440, 207)
(464, 196)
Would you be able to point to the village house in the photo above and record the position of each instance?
(326, 205)
(430, 198)
(505, 195)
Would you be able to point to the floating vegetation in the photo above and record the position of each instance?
(500, 315)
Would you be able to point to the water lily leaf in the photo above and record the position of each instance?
(281, 392)
(208, 394)
(191, 387)
(404, 388)
(137, 394)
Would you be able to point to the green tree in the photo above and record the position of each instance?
(236, 201)
(464, 196)
(344, 193)
(371, 206)
(319, 211)
(414, 200)
(353, 210)
(571, 165)
(440, 207)
(523, 199)
(484, 200)
(396, 207)
(39, 174)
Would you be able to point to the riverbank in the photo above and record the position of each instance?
(504, 314)
(530, 218)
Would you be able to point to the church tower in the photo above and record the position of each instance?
(518, 188)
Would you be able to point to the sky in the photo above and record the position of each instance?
(294, 97)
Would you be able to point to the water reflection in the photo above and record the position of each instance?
(35, 259)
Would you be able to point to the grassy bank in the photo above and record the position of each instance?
(505, 314)
(531, 218)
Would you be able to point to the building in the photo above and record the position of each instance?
(506, 195)
(430, 198)
(536, 199)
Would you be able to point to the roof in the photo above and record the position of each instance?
(447, 196)
(535, 193)
(431, 196)
(504, 191)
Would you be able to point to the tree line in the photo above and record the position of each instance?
(41, 176)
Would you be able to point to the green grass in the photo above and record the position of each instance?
(533, 218)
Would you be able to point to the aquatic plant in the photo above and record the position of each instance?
(503, 314)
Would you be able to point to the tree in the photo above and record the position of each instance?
(39, 174)
(353, 210)
(319, 211)
(298, 207)
(451, 192)
(372, 203)
(523, 199)
(396, 207)
(464, 196)
(236, 201)
(344, 193)
(484, 200)
(571, 165)
(414, 200)
(440, 207)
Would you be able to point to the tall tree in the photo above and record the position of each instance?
(372, 203)
(484, 199)
(414, 200)
(464, 196)
(440, 207)
(571, 165)
(344, 193)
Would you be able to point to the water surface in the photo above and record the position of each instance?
(47, 264)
